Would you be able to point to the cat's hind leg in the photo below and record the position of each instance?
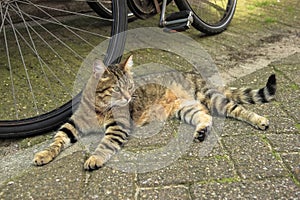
(196, 114)
(65, 136)
(239, 112)
(219, 104)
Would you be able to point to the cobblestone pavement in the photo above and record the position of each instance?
(245, 163)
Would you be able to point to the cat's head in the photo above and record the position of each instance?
(115, 82)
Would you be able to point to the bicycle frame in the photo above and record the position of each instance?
(163, 22)
(179, 21)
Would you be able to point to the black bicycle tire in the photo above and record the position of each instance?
(51, 120)
(105, 12)
(204, 27)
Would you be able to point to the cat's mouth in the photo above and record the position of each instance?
(120, 102)
(122, 99)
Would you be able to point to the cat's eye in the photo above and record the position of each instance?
(117, 89)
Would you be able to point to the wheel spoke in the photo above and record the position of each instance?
(53, 35)
(55, 21)
(33, 48)
(9, 63)
(215, 5)
(69, 12)
(210, 11)
(3, 16)
(69, 27)
(43, 47)
(24, 64)
(26, 32)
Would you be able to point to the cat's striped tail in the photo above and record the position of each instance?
(253, 96)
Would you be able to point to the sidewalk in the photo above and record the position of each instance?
(245, 163)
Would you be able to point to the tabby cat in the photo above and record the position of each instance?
(112, 101)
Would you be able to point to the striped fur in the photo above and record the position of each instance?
(247, 95)
(112, 104)
(104, 105)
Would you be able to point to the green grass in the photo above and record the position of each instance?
(266, 3)
(294, 86)
(222, 180)
(250, 7)
(265, 140)
(228, 180)
(270, 20)
(297, 126)
(296, 181)
(28, 142)
(290, 9)
(221, 157)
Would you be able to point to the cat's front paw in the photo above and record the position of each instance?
(42, 158)
(200, 134)
(262, 123)
(94, 162)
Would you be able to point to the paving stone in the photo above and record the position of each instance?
(61, 179)
(200, 150)
(211, 145)
(165, 193)
(285, 142)
(107, 183)
(188, 170)
(288, 91)
(244, 169)
(293, 109)
(257, 79)
(291, 67)
(280, 121)
(292, 160)
(252, 157)
(154, 134)
(279, 188)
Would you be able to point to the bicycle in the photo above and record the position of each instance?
(35, 117)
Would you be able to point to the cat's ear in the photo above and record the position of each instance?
(98, 68)
(128, 63)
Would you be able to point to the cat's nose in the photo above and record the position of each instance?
(127, 96)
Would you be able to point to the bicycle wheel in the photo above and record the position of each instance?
(210, 16)
(43, 49)
(103, 9)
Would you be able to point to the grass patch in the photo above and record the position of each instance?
(278, 71)
(290, 9)
(294, 86)
(28, 142)
(265, 140)
(228, 180)
(270, 20)
(221, 157)
(222, 180)
(296, 181)
(264, 3)
(297, 126)
(250, 7)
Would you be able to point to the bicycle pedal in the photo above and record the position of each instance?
(179, 21)
(177, 28)
(179, 15)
